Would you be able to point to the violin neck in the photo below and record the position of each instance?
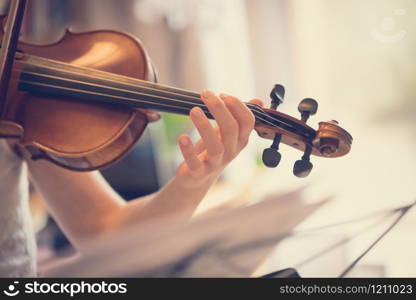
(54, 78)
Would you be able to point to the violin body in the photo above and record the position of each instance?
(75, 134)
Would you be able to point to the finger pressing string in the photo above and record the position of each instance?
(242, 114)
(225, 120)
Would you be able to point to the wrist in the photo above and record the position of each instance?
(191, 183)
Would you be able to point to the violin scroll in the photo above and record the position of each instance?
(331, 140)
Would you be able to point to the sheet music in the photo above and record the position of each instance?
(226, 244)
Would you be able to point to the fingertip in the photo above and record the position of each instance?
(230, 101)
(185, 140)
(257, 101)
(188, 152)
(196, 112)
(206, 93)
(224, 96)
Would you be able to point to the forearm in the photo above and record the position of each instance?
(176, 201)
(86, 207)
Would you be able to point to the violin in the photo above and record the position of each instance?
(79, 103)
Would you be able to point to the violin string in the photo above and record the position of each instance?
(201, 105)
(185, 109)
(194, 97)
(101, 94)
(120, 97)
(135, 83)
(111, 76)
(253, 107)
(156, 87)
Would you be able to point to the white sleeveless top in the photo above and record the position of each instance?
(17, 238)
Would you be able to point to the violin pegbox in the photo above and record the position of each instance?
(330, 140)
(271, 156)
